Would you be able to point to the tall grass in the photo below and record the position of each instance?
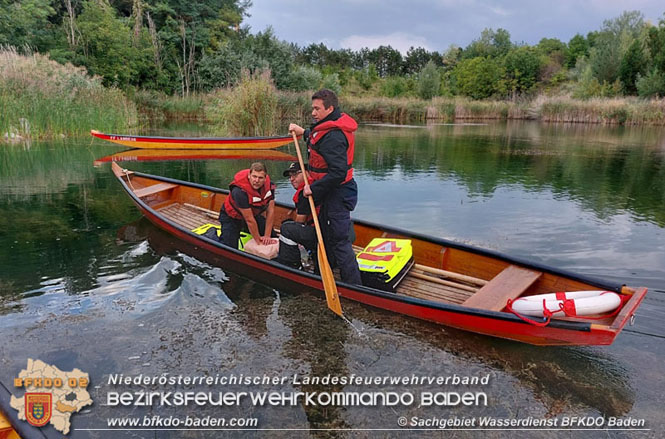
(160, 106)
(249, 109)
(622, 111)
(394, 110)
(40, 98)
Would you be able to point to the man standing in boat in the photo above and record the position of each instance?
(330, 146)
(300, 231)
(250, 204)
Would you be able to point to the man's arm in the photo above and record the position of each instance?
(248, 216)
(270, 216)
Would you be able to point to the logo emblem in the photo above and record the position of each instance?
(38, 408)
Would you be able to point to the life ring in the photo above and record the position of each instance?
(572, 304)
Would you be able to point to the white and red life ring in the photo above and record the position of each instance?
(576, 303)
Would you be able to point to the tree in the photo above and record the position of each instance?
(578, 46)
(25, 23)
(633, 65)
(521, 66)
(415, 60)
(388, 61)
(429, 81)
(550, 45)
(490, 44)
(478, 78)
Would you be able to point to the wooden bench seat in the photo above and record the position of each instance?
(155, 188)
(509, 284)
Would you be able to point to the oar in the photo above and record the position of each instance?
(329, 285)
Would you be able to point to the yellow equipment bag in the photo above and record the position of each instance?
(384, 262)
(244, 236)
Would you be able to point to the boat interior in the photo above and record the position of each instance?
(440, 274)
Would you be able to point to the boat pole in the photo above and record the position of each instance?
(329, 285)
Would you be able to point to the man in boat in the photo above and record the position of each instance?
(330, 144)
(250, 205)
(301, 231)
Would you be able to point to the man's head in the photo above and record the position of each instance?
(295, 174)
(257, 175)
(324, 102)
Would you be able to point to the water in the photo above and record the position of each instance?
(87, 283)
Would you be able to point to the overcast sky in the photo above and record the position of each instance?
(435, 24)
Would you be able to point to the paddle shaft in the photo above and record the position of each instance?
(329, 285)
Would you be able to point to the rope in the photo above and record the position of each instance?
(547, 314)
(129, 182)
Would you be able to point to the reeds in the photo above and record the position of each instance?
(621, 111)
(40, 98)
(249, 109)
(160, 106)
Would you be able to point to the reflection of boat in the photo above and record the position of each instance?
(453, 284)
(148, 155)
(157, 142)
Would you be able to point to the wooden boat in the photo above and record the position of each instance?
(156, 142)
(153, 155)
(451, 283)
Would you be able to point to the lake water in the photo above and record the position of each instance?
(87, 283)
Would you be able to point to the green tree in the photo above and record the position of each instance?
(550, 45)
(490, 44)
(415, 60)
(478, 78)
(388, 61)
(652, 85)
(633, 65)
(304, 78)
(612, 42)
(429, 81)
(521, 66)
(25, 23)
(106, 47)
(578, 46)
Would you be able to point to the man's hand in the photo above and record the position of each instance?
(267, 240)
(307, 191)
(295, 128)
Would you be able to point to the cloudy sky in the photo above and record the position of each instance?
(435, 24)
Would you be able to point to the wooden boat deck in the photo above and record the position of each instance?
(418, 283)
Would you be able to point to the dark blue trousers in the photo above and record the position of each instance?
(335, 219)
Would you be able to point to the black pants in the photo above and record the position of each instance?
(335, 219)
(292, 234)
(232, 227)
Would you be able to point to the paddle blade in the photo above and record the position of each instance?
(329, 286)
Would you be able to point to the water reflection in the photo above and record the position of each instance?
(318, 343)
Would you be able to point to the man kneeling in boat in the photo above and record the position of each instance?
(301, 231)
(251, 205)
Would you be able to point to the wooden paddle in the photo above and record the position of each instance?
(329, 285)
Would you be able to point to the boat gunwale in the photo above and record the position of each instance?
(441, 306)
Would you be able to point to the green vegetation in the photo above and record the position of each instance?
(41, 98)
(249, 109)
(174, 59)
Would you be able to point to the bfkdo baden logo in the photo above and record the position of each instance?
(51, 396)
(38, 408)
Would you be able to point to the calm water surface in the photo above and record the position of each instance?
(85, 282)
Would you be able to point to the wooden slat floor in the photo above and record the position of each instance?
(192, 218)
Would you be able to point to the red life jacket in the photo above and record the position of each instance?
(318, 167)
(258, 200)
(309, 219)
